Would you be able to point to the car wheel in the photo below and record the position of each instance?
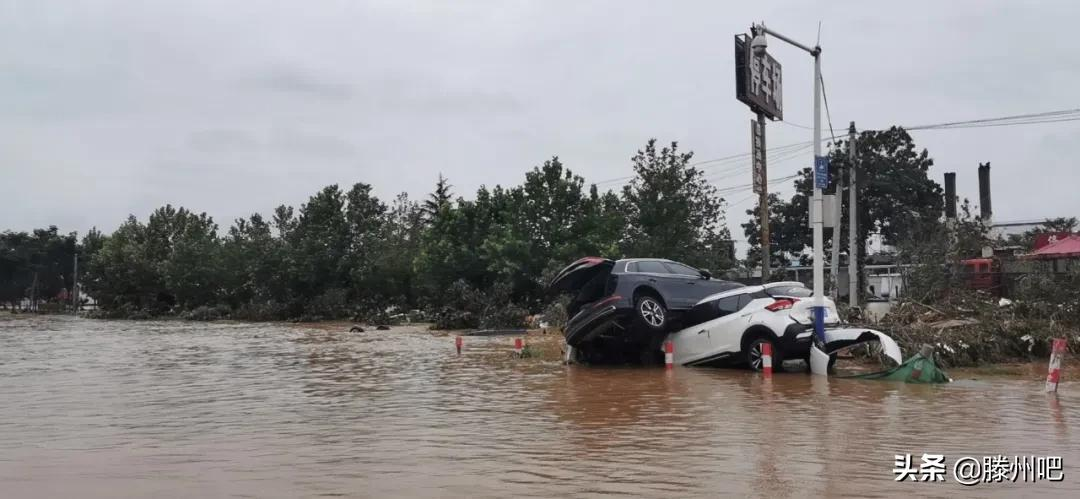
(754, 352)
(650, 312)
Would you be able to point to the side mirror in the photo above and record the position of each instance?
(705, 274)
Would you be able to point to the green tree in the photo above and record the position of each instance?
(439, 199)
(120, 274)
(1051, 225)
(319, 244)
(365, 218)
(896, 197)
(38, 264)
(254, 264)
(787, 237)
(400, 242)
(192, 270)
(672, 211)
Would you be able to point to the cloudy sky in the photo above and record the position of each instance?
(116, 107)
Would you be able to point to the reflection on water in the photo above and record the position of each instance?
(172, 409)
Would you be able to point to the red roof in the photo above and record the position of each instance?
(1068, 247)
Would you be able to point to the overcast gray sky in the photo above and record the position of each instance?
(116, 107)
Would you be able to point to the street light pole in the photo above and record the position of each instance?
(817, 220)
(819, 211)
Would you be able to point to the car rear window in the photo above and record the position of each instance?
(678, 268)
(728, 305)
(791, 291)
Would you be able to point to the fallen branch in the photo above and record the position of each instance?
(929, 307)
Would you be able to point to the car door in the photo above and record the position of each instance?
(715, 338)
(657, 275)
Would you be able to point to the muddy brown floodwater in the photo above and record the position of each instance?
(94, 408)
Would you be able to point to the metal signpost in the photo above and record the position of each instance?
(758, 84)
(758, 44)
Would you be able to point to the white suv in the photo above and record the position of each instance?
(732, 327)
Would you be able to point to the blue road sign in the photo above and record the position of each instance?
(821, 172)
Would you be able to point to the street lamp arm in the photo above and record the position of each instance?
(812, 51)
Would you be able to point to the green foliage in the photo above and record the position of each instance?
(1027, 239)
(672, 210)
(787, 237)
(933, 253)
(896, 198)
(479, 262)
(469, 307)
(38, 264)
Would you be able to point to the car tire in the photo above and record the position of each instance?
(651, 313)
(752, 354)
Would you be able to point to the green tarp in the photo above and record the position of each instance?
(917, 369)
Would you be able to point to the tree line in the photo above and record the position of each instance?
(345, 253)
(477, 261)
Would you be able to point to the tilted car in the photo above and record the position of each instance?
(732, 327)
(625, 308)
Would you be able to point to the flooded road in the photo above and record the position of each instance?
(173, 409)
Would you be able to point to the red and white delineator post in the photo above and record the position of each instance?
(766, 359)
(1056, 353)
(518, 346)
(457, 343)
(669, 354)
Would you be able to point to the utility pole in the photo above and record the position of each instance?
(821, 179)
(853, 223)
(763, 204)
(75, 287)
(834, 267)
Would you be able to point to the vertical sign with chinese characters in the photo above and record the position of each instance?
(758, 80)
(757, 145)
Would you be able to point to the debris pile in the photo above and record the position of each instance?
(971, 328)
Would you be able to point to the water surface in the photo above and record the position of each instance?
(93, 408)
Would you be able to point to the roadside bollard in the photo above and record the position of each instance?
(766, 359)
(1056, 353)
(517, 347)
(669, 355)
(457, 343)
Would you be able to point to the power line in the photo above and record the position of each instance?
(736, 188)
(779, 158)
(1058, 116)
(1019, 119)
(728, 163)
(796, 125)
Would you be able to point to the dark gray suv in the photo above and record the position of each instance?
(621, 307)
